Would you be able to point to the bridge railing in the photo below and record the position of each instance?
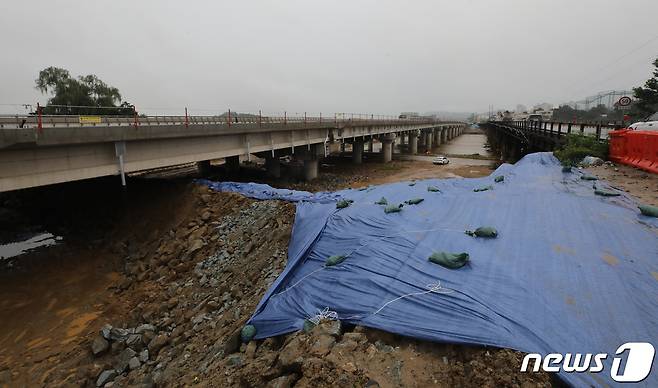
(67, 121)
(560, 128)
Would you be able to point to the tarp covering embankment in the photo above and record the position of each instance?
(569, 271)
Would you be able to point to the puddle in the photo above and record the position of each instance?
(18, 248)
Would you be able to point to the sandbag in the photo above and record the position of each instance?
(393, 208)
(587, 177)
(433, 189)
(343, 203)
(335, 260)
(485, 188)
(606, 193)
(308, 326)
(648, 210)
(382, 201)
(414, 201)
(483, 231)
(247, 333)
(449, 260)
(499, 178)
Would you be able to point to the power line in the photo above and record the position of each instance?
(609, 65)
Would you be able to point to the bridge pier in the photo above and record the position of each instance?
(413, 142)
(310, 169)
(273, 167)
(437, 137)
(357, 151)
(203, 167)
(370, 144)
(387, 148)
(311, 161)
(232, 164)
(430, 140)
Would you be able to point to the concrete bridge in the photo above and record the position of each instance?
(43, 150)
(513, 139)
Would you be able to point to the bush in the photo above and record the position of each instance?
(578, 146)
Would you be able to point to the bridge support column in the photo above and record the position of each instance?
(203, 167)
(232, 164)
(430, 140)
(444, 135)
(311, 161)
(387, 148)
(357, 151)
(413, 142)
(310, 169)
(436, 137)
(273, 167)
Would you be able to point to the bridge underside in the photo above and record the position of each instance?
(512, 143)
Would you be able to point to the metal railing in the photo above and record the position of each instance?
(559, 128)
(39, 121)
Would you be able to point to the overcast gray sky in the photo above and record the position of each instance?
(331, 56)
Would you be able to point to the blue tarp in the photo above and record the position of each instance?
(570, 271)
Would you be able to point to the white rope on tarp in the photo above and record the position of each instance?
(326, 314)
(323, 315)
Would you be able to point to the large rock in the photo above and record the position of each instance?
(195, 246)
(99, 345)
(105, 377)
(119, 334)
(292, 355)
(144, 328)
(157, 343)
(134, 363)
(134, 341)
(322, 345)
(332, 328)
(105, 331)
(356, 337)
(124, 359)
(283, 381)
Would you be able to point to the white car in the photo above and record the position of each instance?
(644, 126)
(440, 160)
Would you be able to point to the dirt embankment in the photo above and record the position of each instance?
(640, 184)
(160, 297)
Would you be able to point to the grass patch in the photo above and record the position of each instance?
(578, 146)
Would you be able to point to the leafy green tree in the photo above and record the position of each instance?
(647, 96)
(83, 95)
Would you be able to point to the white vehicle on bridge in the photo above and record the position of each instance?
(440, 160)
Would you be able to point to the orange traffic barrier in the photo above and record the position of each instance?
(635, 148)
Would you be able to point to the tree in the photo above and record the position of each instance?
(647, 96)
(83, 95)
